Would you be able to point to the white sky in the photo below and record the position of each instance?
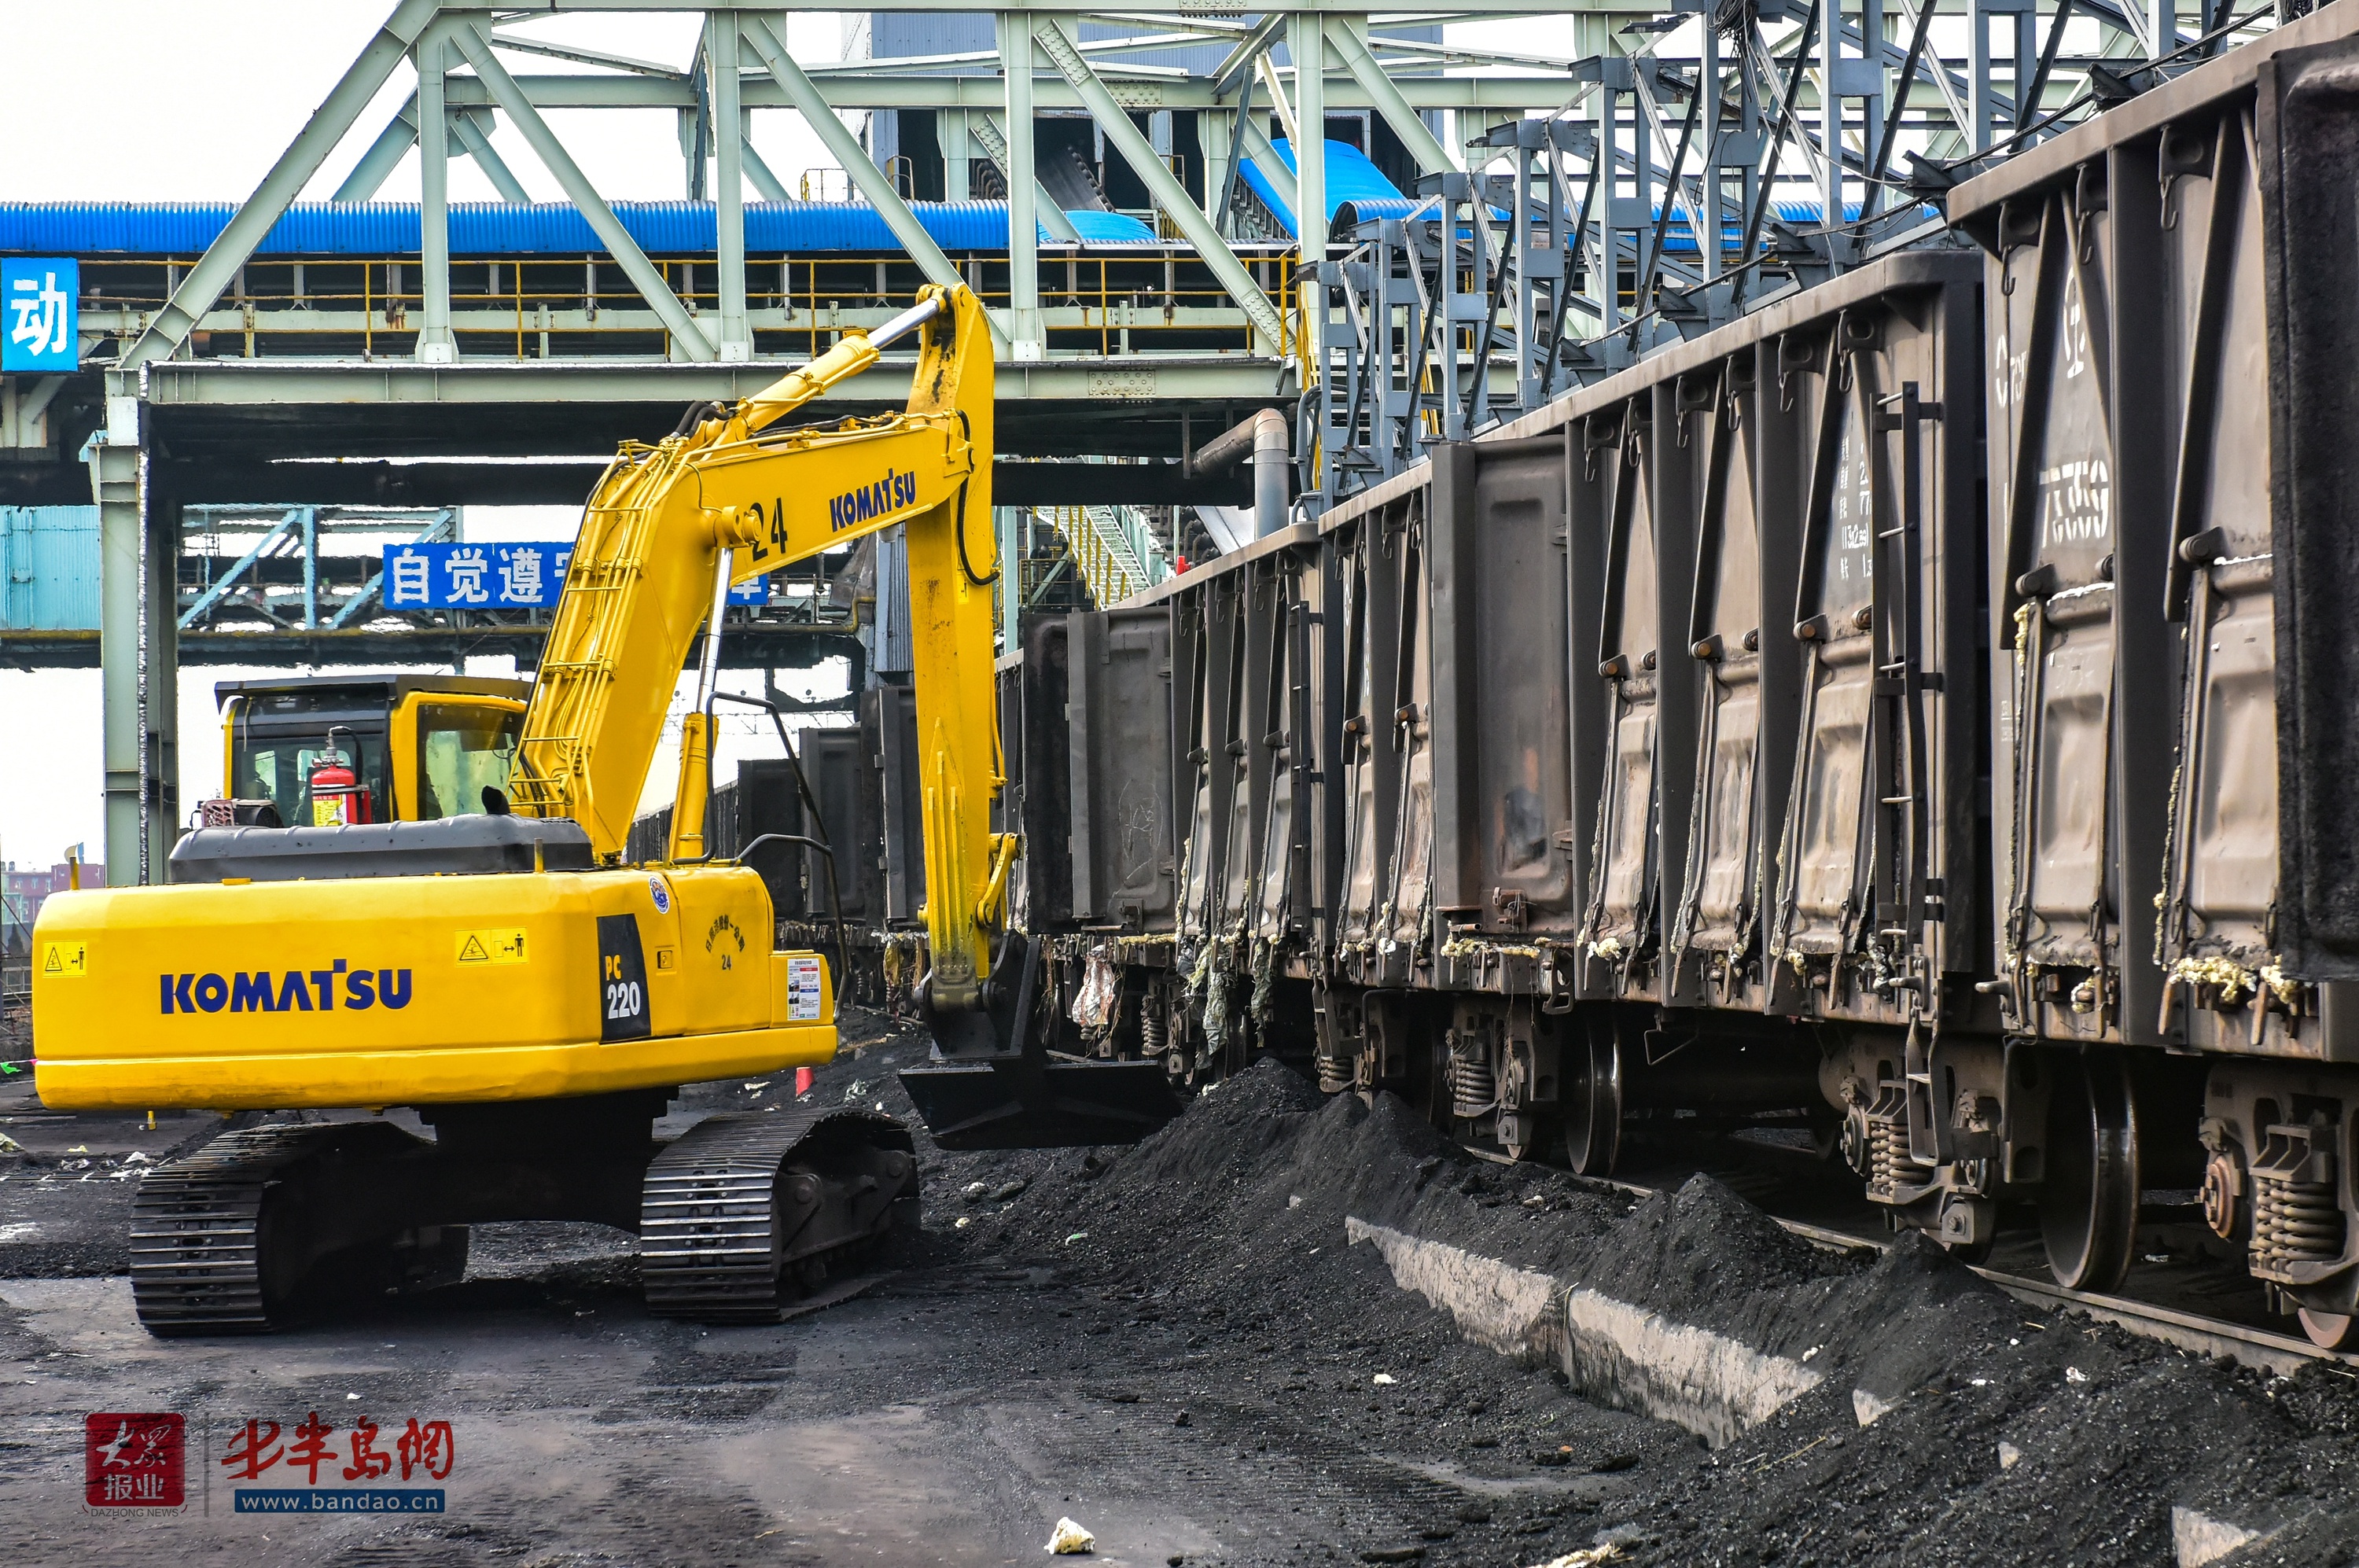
(147, 128)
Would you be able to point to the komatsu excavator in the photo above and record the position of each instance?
(537, 1002)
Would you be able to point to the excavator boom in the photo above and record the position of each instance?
(670, 526)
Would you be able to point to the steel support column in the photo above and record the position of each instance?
(1307, 41)
(159, 675)
(1030, 337)
(435, 343)
(138, 653)
(1831, 107)
(720, 49)
(115, 463)
(958, 151)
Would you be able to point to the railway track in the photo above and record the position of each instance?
(2197, 1333)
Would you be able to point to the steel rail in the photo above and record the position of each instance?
(2281, 1354)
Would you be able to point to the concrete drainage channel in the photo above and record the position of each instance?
(1719, 1386)
(1626, 1356)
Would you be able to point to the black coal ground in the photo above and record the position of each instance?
(1055, 1339)
(1231, 1218)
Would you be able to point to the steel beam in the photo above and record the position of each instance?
(1168, 193)
(1343, 33)
(1263, 153)
(688, 338)
(265, 383)
(1109, 50)
(1230, 75)
(885, 90)
(839, 140)
(228, 579)
(294, 169)
(771, 186)
(1018, 482)
(1187, 12)
(443, 525)
(750, 645)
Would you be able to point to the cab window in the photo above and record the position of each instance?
(280, 771)
(463, 748)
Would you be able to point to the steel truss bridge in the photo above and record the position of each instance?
(1542, 220)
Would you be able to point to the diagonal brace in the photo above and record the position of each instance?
(228, 579)
(983, 126)
(583, 195)
(235, 245)
(1344, 36)
(839, 140)
(384, 155)
(470, 135)
(1169, 193)
(443, 526)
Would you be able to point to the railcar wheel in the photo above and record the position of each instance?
(1592, 1101)
(2328, 1331)
(2088, 1201)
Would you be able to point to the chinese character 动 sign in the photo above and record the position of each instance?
(40, 314)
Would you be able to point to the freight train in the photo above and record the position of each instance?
(1927, 704)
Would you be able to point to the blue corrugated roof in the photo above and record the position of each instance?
(488, 228)
(1350, 177)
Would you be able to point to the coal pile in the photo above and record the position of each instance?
(1945, 1421)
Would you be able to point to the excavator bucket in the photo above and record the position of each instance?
(992, 1084)
(1021, 1102)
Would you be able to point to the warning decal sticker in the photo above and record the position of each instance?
(501, 946)
(64, 960)
(803, 990)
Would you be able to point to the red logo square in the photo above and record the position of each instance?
(135, 1461)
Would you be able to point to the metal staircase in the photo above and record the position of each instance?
(1114, 548)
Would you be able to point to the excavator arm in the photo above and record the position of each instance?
(738, 494)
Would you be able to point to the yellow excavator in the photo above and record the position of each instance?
(537, 1001)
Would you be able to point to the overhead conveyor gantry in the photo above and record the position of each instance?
(1685, 185)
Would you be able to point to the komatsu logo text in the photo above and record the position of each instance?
(857, 506)
(294, 991)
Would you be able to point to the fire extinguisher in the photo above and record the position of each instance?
(339, 798)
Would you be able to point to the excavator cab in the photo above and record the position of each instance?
(417, 748)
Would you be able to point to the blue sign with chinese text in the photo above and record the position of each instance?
(518, 575)
(40, 314)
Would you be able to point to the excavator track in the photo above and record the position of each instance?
(743, 1217)
(197, 1248)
